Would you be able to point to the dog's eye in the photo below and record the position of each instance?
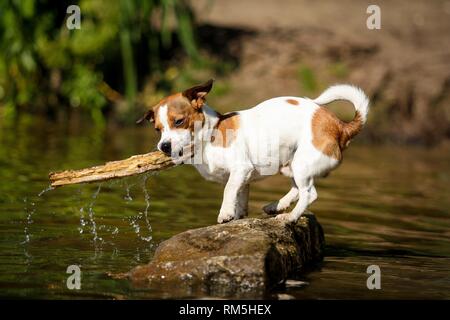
(157, 129)
(178, 122)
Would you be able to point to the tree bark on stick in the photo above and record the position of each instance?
(153, 161)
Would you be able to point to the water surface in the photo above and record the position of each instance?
(385, 205)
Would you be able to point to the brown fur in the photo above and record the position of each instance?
(293, 102)
(185, 105)
(179, 107)
(226, 129)
(331, 135)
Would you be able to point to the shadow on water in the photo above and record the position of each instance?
(386, 206)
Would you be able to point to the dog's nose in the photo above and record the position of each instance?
(166, 148)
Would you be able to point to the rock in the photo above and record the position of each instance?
(248, 256)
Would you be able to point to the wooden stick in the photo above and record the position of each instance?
(137, 164)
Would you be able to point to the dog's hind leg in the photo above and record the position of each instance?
(312, 194)
(284, 203)
(304, 170)
(307, 195)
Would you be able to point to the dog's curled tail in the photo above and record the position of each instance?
(357, 97)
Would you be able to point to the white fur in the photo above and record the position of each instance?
(346, 92)
(163, 118)
(273, 137)
(178, 138)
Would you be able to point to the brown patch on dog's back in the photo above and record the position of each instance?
(293, 102)
(330, 135)
(226, 129)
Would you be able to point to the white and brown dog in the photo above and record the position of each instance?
(289, 135)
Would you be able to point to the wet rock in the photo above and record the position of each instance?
(243, 256)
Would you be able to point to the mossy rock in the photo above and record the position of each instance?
(239, 257)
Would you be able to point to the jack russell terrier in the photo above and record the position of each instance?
(294, 136)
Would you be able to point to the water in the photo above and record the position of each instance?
(49, 188)
(387, 206)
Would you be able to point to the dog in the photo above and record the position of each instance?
(294, 136)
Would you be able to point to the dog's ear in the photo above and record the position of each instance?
(196, 95)
(149, 116)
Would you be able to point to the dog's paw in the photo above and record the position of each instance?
(286, 217)
(272, 208)
(225, 217)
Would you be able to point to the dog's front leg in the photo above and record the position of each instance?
(236, 184)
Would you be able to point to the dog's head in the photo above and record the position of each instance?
(176, 117)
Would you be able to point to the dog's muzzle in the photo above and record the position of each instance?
(166, 147)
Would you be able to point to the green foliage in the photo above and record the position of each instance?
(81, 87)
(307, 78)
(339, 70)
(44, 65)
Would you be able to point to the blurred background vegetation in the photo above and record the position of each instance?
(128, 54)
(121, 46)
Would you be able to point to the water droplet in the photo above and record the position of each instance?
(127, 196)
(147, 206)
(92, 218)
(29, 210)
(49, 188)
